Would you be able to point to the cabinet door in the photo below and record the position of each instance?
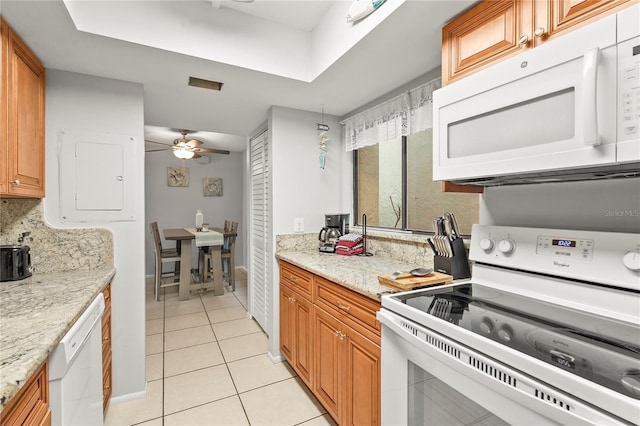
(30, 406)
(328, 370)
(287, 323)
(4, 131)
(362, 380)
(303, 339)
(106, 351)
(566, 14)
(25, 122)
(485, 33)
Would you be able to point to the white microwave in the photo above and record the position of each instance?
(567, 110)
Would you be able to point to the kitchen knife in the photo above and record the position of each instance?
(454, 224)
(448, 229)
(433, 247)
(436, 237)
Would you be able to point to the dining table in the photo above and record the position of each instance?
(185, 237)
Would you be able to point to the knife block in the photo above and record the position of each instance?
(456, 266)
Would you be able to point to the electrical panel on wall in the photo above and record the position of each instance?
(96, 177)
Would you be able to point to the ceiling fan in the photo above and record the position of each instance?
(186, 148)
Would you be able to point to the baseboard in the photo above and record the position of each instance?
(129, 397)
(275, 359)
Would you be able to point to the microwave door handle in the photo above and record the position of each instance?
(589, 92)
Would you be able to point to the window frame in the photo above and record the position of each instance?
(405, 197)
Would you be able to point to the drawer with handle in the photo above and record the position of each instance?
(357, 309)
(296, 278)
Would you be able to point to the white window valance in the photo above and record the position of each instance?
(402, 115)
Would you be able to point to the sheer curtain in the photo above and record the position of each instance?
(402, 115)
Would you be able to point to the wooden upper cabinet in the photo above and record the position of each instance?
(22, 140)
(484, 33)
(493, 30)
(565, 14)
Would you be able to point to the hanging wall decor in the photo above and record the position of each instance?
(178, 176)
(212, 187)
(323, 138)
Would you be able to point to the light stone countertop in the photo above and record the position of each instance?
(358, 273)
(35, 313)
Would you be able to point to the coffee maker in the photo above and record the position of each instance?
(336, 225)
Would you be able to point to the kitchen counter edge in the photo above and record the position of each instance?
(357, 273)
(35, 314)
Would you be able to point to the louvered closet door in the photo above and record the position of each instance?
(260, 233)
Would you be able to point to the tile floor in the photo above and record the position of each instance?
(207, 364)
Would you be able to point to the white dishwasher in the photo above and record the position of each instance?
(75, 371)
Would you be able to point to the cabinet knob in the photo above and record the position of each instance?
(523, 40)
(539, 32)
(292, 299)
(15, 182)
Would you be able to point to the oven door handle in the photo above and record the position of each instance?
(589, 104)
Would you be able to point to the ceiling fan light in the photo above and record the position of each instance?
(183, 153)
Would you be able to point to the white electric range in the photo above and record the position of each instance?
(547, 331)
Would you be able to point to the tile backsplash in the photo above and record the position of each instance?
(53, 249)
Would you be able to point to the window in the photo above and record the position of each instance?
(394, 187)
(393, 147)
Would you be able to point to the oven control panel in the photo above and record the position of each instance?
(565, 247)
(611, 258)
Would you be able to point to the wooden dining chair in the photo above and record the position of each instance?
(228, 252)
(228, 256)
(162, 256)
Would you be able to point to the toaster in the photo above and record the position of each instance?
(15, 263)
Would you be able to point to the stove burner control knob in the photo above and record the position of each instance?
(505, 333)
(486, 244)
(506, 246)
(485, 326)
(631, 260)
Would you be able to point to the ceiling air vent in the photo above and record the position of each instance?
(205, 84)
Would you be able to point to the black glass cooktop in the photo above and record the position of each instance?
(603, 350)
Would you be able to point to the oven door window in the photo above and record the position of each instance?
(433, 402)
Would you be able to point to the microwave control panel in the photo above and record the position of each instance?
(629, 89)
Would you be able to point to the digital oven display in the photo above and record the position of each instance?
(563, 243)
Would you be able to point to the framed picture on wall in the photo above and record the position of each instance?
(212, 187)
(178, 176)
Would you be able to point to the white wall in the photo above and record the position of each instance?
(175, 207)
(82, 103)
(301, 189)
(604, 205)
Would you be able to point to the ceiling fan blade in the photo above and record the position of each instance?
(158, 143)
(196, 155)
(211, 150)
(193, 143)
(155, 150)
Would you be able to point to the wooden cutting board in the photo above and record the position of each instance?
(409, 282)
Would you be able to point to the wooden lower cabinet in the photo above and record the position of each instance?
(362, 379)
(106, 350)
(334, 346)
(30, 406)
(347, 372)
(296, 332)
(329, 365)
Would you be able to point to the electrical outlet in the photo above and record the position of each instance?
(298, 224)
